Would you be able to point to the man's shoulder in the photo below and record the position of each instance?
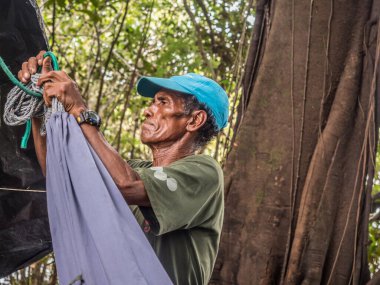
(198, 160)
(196, 170)
(200, 171)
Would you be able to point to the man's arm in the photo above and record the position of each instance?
(39, 144)
(58, 84)
(127, 180)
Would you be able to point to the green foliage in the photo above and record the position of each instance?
(106, 45)
(374, 247)
(374, 223)
(106, 53)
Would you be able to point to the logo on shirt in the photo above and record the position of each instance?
(160, 174)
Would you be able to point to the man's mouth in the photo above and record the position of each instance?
(148, 123)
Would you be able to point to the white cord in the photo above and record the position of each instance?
(22, 190)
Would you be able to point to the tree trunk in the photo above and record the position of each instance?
(297, 202)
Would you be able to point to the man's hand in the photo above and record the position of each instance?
(58, 84)
(30, 67)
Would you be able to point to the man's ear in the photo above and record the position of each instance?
(197, 120)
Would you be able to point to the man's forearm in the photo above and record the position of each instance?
(127, 180)
(57, 84)
(39, 143)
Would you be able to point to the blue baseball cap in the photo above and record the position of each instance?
(206, 90)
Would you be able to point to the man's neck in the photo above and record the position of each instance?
(164, 155)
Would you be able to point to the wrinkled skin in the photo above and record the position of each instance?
(165, 119)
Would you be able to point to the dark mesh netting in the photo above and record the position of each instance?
(24, 230)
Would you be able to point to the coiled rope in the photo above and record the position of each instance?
(25, 101)
(20, 106)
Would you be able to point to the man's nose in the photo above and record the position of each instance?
(148, 112)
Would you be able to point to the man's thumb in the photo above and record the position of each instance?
(46, 65)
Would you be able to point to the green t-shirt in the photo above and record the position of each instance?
(185, 221)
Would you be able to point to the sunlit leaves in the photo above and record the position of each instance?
(83, 32)
(374, 226)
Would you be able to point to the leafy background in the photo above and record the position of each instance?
(106, 45)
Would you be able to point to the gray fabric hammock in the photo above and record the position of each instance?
(96, 238)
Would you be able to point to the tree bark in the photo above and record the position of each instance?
(296, 195)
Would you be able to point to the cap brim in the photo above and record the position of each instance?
(149, 86)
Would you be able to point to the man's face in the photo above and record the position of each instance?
(165, 120)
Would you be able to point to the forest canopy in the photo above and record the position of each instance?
(105, 46)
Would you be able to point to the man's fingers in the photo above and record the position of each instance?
(40, 57)
(49, 92)
(32, 65)
(57, 84)
(47, 99)
(54, 76)
(25, 72)
(46, 65)
(53, 90)
(46, 77)
(20, 77)
(48, 85)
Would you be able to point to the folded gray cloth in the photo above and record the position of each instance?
(96, 238)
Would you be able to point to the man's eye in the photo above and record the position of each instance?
(162, 101)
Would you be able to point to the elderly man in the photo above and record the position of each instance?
(178, 196)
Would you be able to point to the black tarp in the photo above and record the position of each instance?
(24, 230)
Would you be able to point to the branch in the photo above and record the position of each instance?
(374, 217)
(53, 26)
(114, 41)
(134, 75)
(253, 53)
(92, 69)
(251, 62)
(125, 63)
(199, 39)
(206, 14)
(237, 77)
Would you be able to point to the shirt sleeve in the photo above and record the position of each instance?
(181, 193)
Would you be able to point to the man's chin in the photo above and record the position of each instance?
(145, 140)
